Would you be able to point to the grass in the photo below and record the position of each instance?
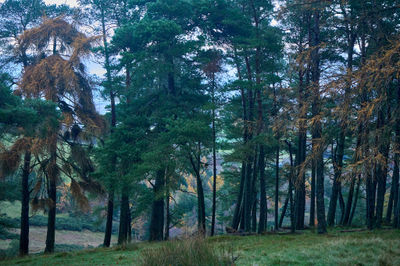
(381, 247)
(64, 238)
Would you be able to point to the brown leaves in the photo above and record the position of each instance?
(10, 158)
(79, 196)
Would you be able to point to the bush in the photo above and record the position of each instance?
(67, 247)
(12, 251)
(188, 252)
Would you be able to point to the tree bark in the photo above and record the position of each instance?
(382, 167)
(277, 188)
(110, 211)
(24, 235)
(317, 142)
(263, 193)
(124, 218)
(52, 176)
(395, 181)
(157, 215)
(336, 187)
(167, 198)
(201, 213)
(214, 199)
(254, 195)
(312, 196)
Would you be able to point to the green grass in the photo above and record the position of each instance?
(357, 248)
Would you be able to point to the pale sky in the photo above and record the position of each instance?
(60, 2)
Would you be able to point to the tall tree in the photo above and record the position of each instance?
(54, 77)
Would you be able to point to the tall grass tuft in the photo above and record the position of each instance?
(189, 252)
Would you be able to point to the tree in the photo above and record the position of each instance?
(61, 81)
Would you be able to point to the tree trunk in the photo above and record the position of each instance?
(254, 194)
(312, 196)
(110, 211)
(24, 235)
(277, 188)
(291, 176)
(349, 202)
(285, 205)
(214, 199)
(124, 218)
(52, 176)
(157, 215)
(201, 212)
(201, 206)
(382, 168)
(395, 181)
(341, 205)
(263, 193)
(317, 142)
(237, 213)
(299, 181)
(110, 202)
(167, 198)
(355, 202)
(129, 224)
(336, 187)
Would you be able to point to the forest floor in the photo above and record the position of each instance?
(379, 247)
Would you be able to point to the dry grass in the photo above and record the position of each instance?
(188, 252)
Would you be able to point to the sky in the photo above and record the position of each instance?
(60, 2)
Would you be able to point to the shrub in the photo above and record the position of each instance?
(12, 251)
(188, 252)
(67, 248)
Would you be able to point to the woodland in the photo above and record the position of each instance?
(212, 121)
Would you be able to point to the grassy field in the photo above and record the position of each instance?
(356, 248)
(37, 238)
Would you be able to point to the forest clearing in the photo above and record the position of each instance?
(200, 132)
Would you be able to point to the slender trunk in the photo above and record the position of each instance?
(238, 213)
(201, 206)
(351, 39)
(129, 225)
(52, 174)
(201, 213)
(312, 196)
(341, 205)
(167, 198)
(355, 202)
(285, 205)
(291, 177)
(263, 193)
(157, 215)
(24, 235)
(248, 184)
(110, 202)
(349, 201)
(254, 195)
(317, 142)
(396, 194)
(299, 182)
(110, 211)
(277, 188)
(239, 205)
(382, 168)
(336, 187)
(214, 199)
